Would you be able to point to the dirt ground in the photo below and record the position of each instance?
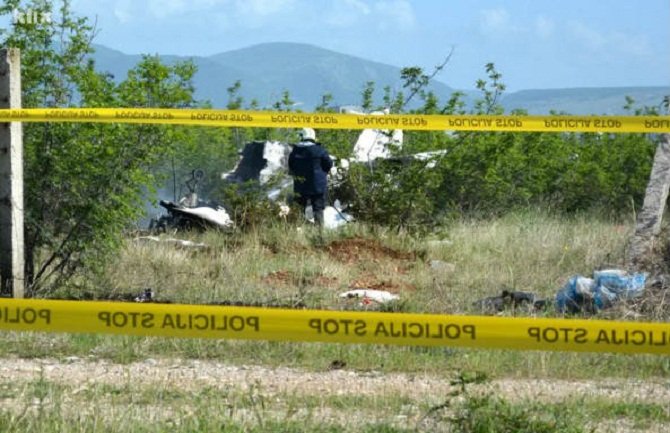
(193, 374)
(276, 383)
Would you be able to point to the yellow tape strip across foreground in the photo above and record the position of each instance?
(274, 119)
(197, 321)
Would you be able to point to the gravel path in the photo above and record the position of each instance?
(194, 374)
(161, 376)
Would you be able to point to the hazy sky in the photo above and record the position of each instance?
(534, 43)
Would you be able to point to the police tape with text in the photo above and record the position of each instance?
(225, 322)
(237, 118)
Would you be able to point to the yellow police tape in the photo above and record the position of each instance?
(198, 321)
(274, 119)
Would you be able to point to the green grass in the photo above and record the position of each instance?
(526, 251)
(529, 251)
(43, 406)
(642, 414)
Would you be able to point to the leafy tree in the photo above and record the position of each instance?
(234, 98)
(485, 173)
(324, 105)
(491, 92)
(286, 103)
(85, 182)
(367, 96)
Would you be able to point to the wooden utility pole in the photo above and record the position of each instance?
(11, 178)
(648, 225)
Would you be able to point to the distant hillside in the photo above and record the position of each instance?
(266, 70)
(308, 72)
(598, 100)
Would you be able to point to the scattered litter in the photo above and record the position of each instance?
(181, 243)
(510, 299)
(337, 364)
(581, 294)
(284, 210)
(332, 217)
(368, 295)
(146, 296)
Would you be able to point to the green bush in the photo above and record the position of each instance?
(397, 193)
(493, 173)
(248, 204)
(499, 172)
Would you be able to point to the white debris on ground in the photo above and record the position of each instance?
(333, 217)
(217, 216)
(182, 243)
(284, 210)
(379, 296)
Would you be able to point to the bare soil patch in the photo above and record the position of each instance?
(354, 250)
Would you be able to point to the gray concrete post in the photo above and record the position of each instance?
(11, 178)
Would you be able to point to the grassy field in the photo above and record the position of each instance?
(177, 396)
(288, 265)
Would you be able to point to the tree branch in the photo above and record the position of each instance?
(428, 78)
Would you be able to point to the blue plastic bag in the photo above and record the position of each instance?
(582, 294)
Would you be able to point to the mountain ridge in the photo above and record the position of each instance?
(308, 72)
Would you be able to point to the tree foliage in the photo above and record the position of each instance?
(85, 182)
(485, 173)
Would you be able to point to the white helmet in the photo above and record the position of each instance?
(307, 134)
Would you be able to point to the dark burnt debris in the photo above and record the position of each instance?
(511, 300)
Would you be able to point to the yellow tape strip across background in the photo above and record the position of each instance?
(274, 119)
(198, 321)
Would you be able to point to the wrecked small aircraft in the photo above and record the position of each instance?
(190, 212)
(267, 163)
